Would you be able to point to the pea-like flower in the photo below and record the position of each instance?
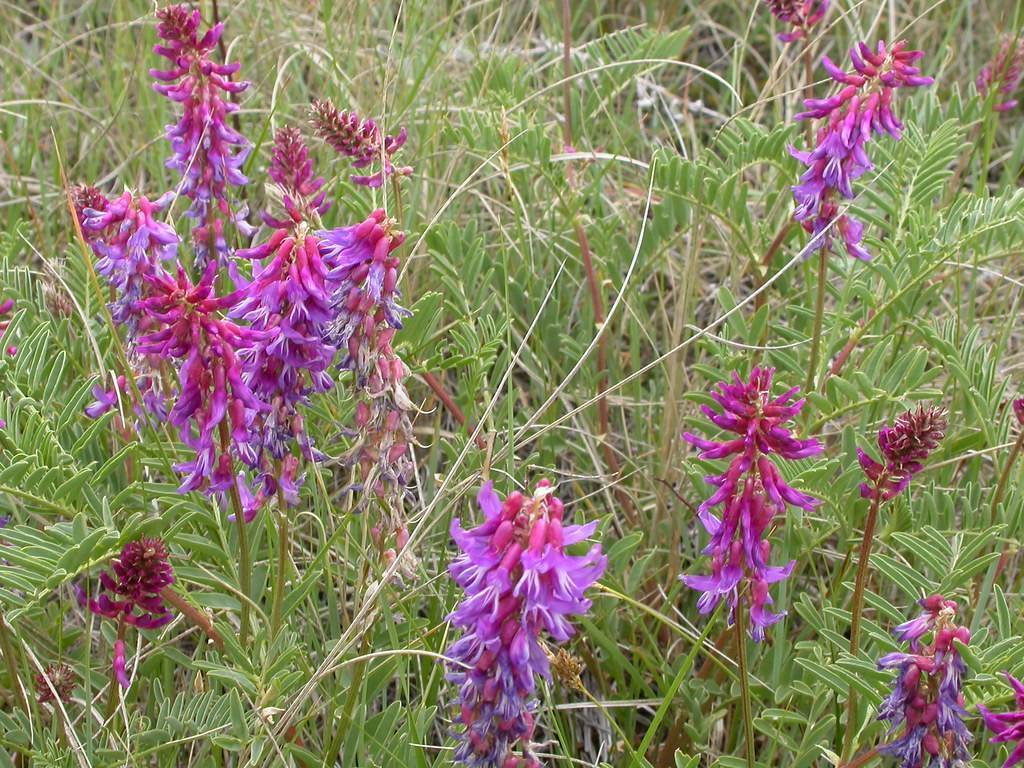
(799, 15)
(360, 140)
(1003, 73)
(751, 492)
(207, 152)
(863, 106)
(519, 582)
(1008, 727)
(926, 704)
(904, 447)
(131, 589)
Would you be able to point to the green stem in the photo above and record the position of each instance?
(346, 713)
(282, 559)
(858, 604)
(740, 626)
(1004, 476)
(819, 314)
(7, 648)
(244, 559)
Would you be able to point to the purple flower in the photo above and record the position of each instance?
(751, 492)
(131, 244)
(208, 153)
(1003, 73)
(292, 170)
(800, 15)
(862, 107)
(215, 405)
(360, 140)
(55, 683)
(153, 402)
(121, 664)
(518, 582)
(139, 574)
(904, 447)
(1008, 726)
(926, 699)
(912, 631)
(1018, 410)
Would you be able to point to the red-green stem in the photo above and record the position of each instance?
(860, 760)
(858, 603)
(282, 558)
(819, 313)
(740, 626)
(1004, 476)
(7, 648)
(244, 560)
(197, 616)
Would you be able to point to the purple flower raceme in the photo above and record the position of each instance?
(904, 447)
(207, 152)
(1018, 410)
(751, 492)
(800, 15)
(519, 582)
(364, 273)
(926, 703)
(863, 106)
(360, 140)
(290, 302)
(131, 593)
(1003, 74)
(214, 397)
(1008, 727)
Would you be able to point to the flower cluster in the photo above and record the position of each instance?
(751, 492)
(519, 581)
(862, 106)
(904, 447)
(131, 245)
(800, 15)
(213, 393)
(1018, 410)
(1003, 74)
(358, 139)
(207, 152)
(1008, 726)
(55, 683)
(289, 302)
(926, 699)
(364, 271)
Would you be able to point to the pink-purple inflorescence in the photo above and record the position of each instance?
(798, 15)
(751, 492)
(519, 582)
(926, 705)
(863, 106)
(130, 593)
(1008, 727)
(1003, 74)
(904, 446)
(207, 152)
(215, 405)
(360, 140)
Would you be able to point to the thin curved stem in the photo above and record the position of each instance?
(1004, 476)
(819, 314)
(740, 625)
(282, 558)
(244, 559)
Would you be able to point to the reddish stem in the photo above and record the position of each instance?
(451, 405)
(196, 615)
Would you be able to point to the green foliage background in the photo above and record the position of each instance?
(687, 108)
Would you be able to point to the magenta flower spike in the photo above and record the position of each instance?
(360, 140)
(927, 704)
(799, 15)
(863, 106)
(751, 492)
(519, 582)
(1008, 727)
(290, 302)
(904, 447)
(131, 589)
(213, 391)
(1003, 73)
(207, 152)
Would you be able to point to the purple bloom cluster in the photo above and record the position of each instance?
(751, 492)
(1018, 410)
(358, 139)
(518, 581)
(800, 15)
(208, 153)
(1003, 73)
(131, 244)
(926, 699)
(904, 447)
(289, 302)
(863, 106)
(213, 391)
(1008, 726)
(138, 575)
